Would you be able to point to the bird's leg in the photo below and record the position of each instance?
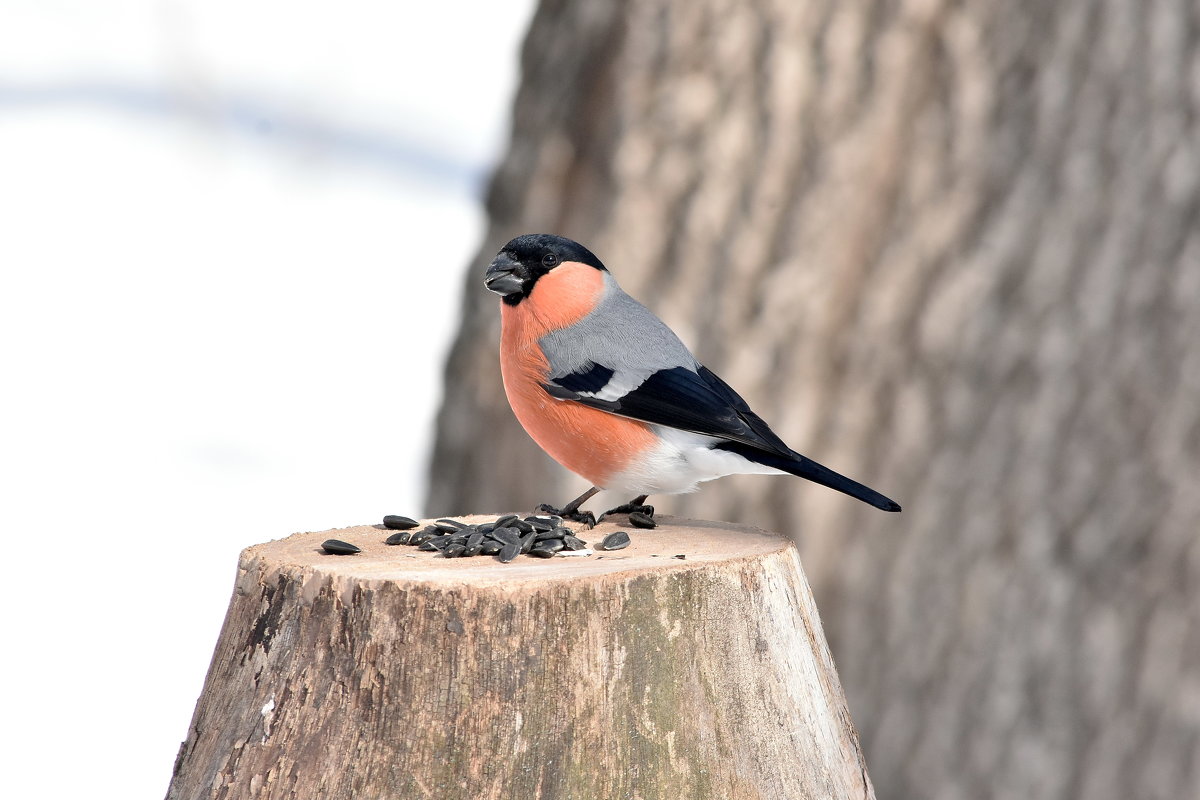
(573, 506)
(636, 504)
(571, 510)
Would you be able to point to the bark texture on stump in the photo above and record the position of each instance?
(953, 250)
(398, 673)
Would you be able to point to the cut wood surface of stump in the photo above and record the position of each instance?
(396, 673)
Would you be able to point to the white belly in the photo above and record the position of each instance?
(680, 462)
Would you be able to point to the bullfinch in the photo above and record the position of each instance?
(612, 394)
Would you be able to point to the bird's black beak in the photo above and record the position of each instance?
(504, 276)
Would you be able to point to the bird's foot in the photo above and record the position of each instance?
(585, 518)
(630, 508)
(640, 514)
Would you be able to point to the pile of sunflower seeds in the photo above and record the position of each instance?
(506, 537)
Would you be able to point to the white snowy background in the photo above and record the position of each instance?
(232, 237)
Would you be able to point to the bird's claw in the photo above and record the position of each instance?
(584, 518)
(629, 508)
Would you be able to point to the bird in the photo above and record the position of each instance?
(611, 393)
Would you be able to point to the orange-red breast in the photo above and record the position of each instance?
(609, 391)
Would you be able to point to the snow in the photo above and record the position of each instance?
(232, 242)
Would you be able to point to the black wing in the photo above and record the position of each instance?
(699, 402)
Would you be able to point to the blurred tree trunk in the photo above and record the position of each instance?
(953, 250)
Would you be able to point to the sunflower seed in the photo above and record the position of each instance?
(472, 550)
(509, 552)
(527, 542)
(397, 523)
(337, 547)
(491, 547)
(542, 552)
(540, 524)
(428, 546)
(553, 545)
(485, 527)
(448, 525)
(506, 520)
(639, 520)
(521, 525)
(553, 533)
(572, 543)
(615, 541)
(474, 539)
(507, 535)
(400, 537)
(454, 551)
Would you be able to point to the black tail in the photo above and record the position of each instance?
(807, 468)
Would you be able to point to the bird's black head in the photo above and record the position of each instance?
(519, 264)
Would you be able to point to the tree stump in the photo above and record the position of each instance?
(397, 673)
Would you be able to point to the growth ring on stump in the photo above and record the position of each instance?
(634, 674)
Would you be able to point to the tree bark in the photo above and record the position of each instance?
(953, 250)
(635, 673)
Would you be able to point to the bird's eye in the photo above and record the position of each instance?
(549, 260)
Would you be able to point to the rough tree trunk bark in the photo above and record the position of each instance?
(397, 674)
(952, 249)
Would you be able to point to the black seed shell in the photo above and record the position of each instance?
(507, 535)
(397, 523)
(509, 552)
(639, 520)
(615, 541)
(337, 547)
(400, 537)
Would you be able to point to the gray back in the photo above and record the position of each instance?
(621, 334)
